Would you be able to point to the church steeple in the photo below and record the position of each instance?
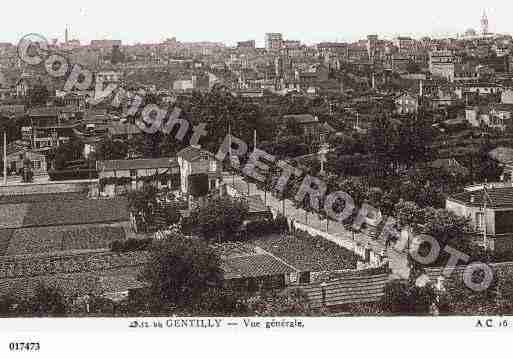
(484, 23)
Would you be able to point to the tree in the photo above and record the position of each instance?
(404, 297)
(222, 302)
(109, 149)
(181, 271)
(143, 203)
(47, 301)
(409, 214)
(38, 95)
(447, 227)
(220, 217)
(67, 152)
(290, 302)
(7, 304)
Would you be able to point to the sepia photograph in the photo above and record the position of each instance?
(260, 166)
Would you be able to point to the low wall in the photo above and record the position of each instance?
(372, 259)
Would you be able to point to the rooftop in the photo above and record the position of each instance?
(141, 163)
(58, 213)
(494, 197)
(253, 266)
(353, 287)
(301, 119)
(308, 254)
(192, 153)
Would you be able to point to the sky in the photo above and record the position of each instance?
(229, 21)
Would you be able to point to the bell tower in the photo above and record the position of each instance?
(484, 24)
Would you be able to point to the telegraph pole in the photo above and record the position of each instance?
(5, 156)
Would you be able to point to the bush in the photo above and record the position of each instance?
(131, 245)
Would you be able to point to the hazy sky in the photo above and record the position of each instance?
(229, 21)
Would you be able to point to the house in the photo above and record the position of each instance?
(442, 64)
(477, 115)
(19, 159)
(51, 126)
(501, 115)
(496, 115)
(406, 104)
(120, 176)
(250, 268)
(308, 125)
(490, 212)
(200, 171)
(507, 96)
(444, 98)
(468, 89)
(361, 287)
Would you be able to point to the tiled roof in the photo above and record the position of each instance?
(192, 153)
(76, 284)
(49, 264)
(301, 119)
(37, 240)
(119, 129)
(352, 288)
(142, 163)
(253, 266)
(55, 213)
(498, 197)
(308, 254)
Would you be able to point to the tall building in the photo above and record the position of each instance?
(441, 64)
(484, 24)
(273, 41)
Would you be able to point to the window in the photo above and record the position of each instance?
(36, 164)
(213, 166)
(480, 221)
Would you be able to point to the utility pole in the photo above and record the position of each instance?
(5, 156)
(230, 152)
(486, 198)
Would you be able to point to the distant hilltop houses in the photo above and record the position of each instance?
(191, 141)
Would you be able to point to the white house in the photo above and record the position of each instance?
(201, 165)
(120, 176)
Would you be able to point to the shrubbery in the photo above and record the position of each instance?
(131, 245)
